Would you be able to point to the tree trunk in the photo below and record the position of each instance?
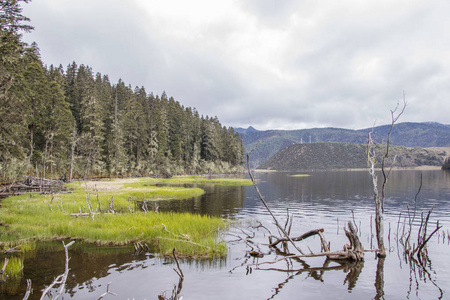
(51, 156)
(72, 152)
(379, 226)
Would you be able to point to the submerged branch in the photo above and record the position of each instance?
(61, 279)
(298, 238)
(265, 204)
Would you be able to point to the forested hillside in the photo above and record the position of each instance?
(73, 122)
(327, 156)
(403, 134)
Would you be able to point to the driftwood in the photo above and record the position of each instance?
(283, 230)
(352, 252)
(296, 239)
(32, 184)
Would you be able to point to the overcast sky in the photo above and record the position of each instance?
(266, 63)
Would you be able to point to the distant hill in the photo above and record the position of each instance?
(403, 134)
(327, 156)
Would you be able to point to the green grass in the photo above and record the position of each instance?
(200, 180)
(33, 217)
(14, 268)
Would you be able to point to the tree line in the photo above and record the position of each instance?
(71, 122)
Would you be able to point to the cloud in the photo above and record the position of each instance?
(264, 63)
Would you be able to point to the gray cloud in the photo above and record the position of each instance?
(268, 64)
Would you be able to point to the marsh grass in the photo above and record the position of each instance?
(200, 180)
(13, 274)
(14, 268)
(34, 217)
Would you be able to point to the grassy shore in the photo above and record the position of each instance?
(113, 219)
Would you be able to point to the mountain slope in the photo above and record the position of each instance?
(326, 156)
(403, 134)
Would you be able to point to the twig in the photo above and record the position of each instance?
(179, 271)
(128, 204)
(107, 292)
(182, 241)
(183, 236)
(111, 205)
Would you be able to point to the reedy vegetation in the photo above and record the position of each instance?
(73, 122)
(34, 217)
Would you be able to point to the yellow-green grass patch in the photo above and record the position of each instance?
(34, 217)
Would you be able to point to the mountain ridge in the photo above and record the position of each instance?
(332, 156)
(408, 134)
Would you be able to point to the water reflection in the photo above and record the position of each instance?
(352, 269)
(379, 279)
(323, 200)
(222, 201)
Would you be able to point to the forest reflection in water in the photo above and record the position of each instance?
(322, 200)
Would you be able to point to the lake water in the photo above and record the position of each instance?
(322, 200)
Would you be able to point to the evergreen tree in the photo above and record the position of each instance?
(91, 136)
(72, 122)
(12, 126)
(153, 143)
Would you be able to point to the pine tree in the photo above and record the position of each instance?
(70, 122)
(12, 126)
(91, 137)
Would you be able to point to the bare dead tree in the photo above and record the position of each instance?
(379, 192)
(177, 288)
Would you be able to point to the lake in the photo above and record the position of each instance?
(325, 200)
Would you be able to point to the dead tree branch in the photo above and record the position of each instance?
(177, 288)
(61, 279)
(296, 239)
(28, 291)
(354, 251)
(265, 204)
(107, 292)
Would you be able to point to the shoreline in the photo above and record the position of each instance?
(415, 168)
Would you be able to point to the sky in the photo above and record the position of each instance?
(269, 64)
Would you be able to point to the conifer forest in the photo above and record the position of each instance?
(71, 122)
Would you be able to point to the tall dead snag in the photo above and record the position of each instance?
(379, 193)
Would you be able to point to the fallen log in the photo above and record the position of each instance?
(32, 184)
(353, 252)
(296, 239)
(80, 214)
